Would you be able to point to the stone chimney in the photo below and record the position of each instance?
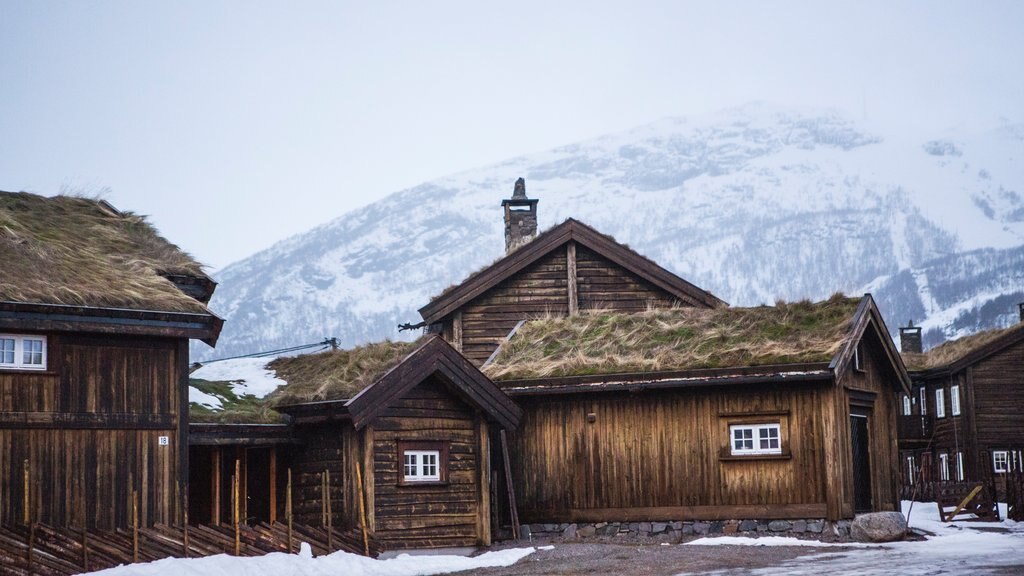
(910, 339)
(520, 217)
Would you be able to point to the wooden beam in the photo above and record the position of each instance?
(508, 483)
(369, 479)
(672, 513)
(570, 252)
(273, 485)
(457, 330)
(215, 465)
(483, 512)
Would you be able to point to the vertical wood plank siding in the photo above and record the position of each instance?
(324, 447)
(90, 428)
(428, 515)
(666, 453)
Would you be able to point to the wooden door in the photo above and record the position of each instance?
(861, 463)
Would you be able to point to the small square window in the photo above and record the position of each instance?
(422, 461)
(22, 352)
(750, 439)
(1000, 461)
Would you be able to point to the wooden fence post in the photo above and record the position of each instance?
(184, 519)
(234, 490)
(362, 508)
(28, 502)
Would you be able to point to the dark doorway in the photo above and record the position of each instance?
(257, 484)
(861, 463)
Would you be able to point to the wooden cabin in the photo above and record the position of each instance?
(414, 421)
(963, 418)
(784, 412)
(96, 313)
(567, 269)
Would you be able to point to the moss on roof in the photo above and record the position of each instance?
(335, 374)
(601, 342)
(245, 409)
(78, 251)
(949, 352)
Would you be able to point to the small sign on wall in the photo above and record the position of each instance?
(165, 440)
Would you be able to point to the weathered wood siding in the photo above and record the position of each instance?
(666, 455)
(542, 289)
(428, 515)
(877, 382)
(324, 447)
(998, 395)
(604, 285)
(90, 427)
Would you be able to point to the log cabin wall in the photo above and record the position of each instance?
(452, 512)
(995, 387)
(90, 427)
(870, 389)
(545, 288)
(665, 455)
(323, 447)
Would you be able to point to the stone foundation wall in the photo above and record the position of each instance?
(683, 530)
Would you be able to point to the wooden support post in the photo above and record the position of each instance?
(135, 526)
(508, 483)
(362, 509)
(457, 330)
(570, 253)
(234, 491)
(28, 492)
(273, 484)
(31, 544)
(215, 465)
(330, 520)
(184, 521)
(323, 504)
(483, 512)
(85, 536)
(288, 509)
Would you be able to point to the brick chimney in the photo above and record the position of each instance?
(520, 217)
(910, 339)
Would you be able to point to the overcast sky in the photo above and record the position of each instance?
(237, 124)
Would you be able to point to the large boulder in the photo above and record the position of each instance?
(879, 527)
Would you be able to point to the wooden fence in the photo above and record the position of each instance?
(41, 550)
(981, 504)
(1015, 496)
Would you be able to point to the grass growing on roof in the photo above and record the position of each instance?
(74, 251)
(603, 342)
(245, 409)
(951, 351)
(335, 374)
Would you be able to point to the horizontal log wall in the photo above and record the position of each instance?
(90, 427)
(427, 516)
(604, 285)
(665, 454)
(323, 447)
(999, 397)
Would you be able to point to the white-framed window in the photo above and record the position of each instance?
(910, 470)
(940, 403)
(944, 467)
(924, 401)
(20, 352)
(422, 465)
(959, 466)
(906, 405)
(1000, 461)
(954, 399)
(755, 439)
(858, 358)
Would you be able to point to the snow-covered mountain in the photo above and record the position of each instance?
(753, 204)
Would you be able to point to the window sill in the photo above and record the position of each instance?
(44, 372)
(414, 483)
(749, 457)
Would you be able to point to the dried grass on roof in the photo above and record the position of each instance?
(602, 342)
(74, 251)
(953, 350)
(335, 374)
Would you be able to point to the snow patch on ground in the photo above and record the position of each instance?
(247, 375)
(949, 548)
(339, 563)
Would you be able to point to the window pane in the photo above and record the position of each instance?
(430, 464)
(410, 465)
(6, 350)
(32, 352)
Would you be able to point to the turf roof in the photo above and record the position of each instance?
(76, 251)
(335, 374)
(949, 352)
(602, 342)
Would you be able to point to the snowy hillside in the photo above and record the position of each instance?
(753, 204)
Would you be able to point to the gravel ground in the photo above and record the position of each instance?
(648, 560)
